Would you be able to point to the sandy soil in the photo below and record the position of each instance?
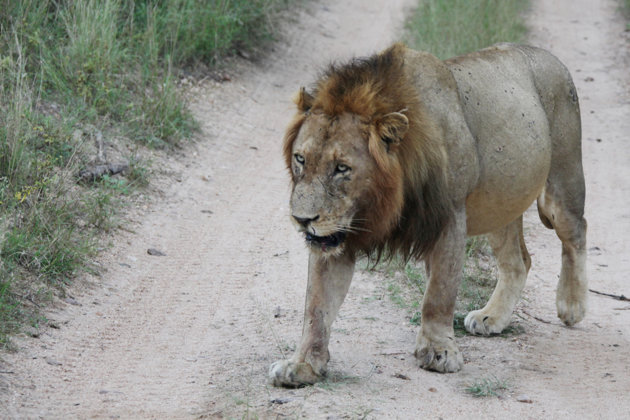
(191, 334)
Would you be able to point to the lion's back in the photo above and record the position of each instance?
(507, 72)
(497, 108)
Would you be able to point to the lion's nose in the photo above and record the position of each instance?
(304, 221)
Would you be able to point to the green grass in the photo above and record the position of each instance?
(406, 284)
(10, 313)
(626, 11)
(335, 379)
(447, 28)
(86, 67)
(487, 387)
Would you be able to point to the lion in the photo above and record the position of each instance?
(404, 153)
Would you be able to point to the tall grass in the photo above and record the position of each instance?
(197, 30)
(106, 65)
(447, 28)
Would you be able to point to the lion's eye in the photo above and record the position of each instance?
(342, 169)
(299, 158)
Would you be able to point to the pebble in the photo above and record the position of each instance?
(155, 252)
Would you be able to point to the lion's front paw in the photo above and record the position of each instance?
(571, 311)
(443, 357)
(292, 374)
(482, 323)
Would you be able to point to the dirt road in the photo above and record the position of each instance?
(191, 334)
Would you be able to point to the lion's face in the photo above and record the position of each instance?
(332, 171)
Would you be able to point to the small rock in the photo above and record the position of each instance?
(589, 79)
(72, 301)
(524, 399)
(155, 252)
(281, 400)
(207, 211)
(278, 313)
(33, 333)
(77, 135)
(53, 362)
(401, 376)
(432, 389)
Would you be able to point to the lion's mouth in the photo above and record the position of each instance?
(330, 241)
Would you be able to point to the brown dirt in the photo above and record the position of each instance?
(192, 333)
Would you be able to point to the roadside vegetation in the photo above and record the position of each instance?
(405, 284)
(84, 84)
(447, 28)
(626, 9)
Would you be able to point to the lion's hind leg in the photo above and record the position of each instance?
(561, 203)
(513, 261)
(570, 226)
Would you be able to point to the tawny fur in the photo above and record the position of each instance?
(410, 204)
(402, 152)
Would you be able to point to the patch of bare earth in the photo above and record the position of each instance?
(192, 333)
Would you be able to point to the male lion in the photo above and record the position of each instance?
(402, 152)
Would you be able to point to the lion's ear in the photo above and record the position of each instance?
(392, 127)
(303, 100)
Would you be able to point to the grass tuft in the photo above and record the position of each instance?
(487, 387)
(447, 28)
(334, 379)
